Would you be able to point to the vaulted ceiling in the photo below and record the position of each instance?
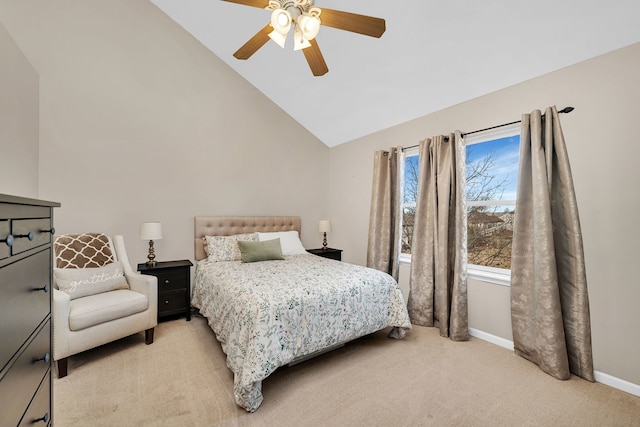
(434, 54)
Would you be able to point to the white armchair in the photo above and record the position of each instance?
(92, 304)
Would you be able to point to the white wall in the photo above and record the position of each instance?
(601, 136)
(139, 122)
(18, 121)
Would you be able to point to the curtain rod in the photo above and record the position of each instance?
(564, 110)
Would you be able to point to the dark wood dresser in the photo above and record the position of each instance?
(26, 229)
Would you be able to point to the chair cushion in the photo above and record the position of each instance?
(86, 250)
(100, 308)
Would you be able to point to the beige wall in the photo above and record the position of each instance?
(18, 121)
(140, 122)
(603, 147)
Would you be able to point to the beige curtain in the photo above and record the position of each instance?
(438, 287)
(383, 249)
(549, 301)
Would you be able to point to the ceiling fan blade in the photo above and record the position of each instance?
(315, 59)
(254, 43)
(361, 24)
(255, 3)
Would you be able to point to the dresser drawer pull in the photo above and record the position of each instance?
(52, 231)
(166, 281)
(29, 236)
(8, 240)
(166, 302)
(45, 288)
(44, 358)
(44, 418)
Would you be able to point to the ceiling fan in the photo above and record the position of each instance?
(305, 20)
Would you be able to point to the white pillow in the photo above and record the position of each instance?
(80, 282)
(289, 241)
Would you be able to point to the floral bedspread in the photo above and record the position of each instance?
(266, 314)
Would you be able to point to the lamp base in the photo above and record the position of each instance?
(324, 242)
(151, 256)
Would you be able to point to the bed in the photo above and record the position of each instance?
(275, 312)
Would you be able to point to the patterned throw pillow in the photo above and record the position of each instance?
(86, 250)
(81, 282)
(225, 248)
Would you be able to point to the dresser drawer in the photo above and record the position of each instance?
(39, 411)
(22, 305)
(38, 229)
(5, 230)
(21, 381)
(171, 280)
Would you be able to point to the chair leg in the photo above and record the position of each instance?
(62, 367)
(148, 336)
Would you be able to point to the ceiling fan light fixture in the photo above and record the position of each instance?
(299, 41)
(279, 38)
(281, 21)
(309, 23)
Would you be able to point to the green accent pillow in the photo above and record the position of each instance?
(266, 250)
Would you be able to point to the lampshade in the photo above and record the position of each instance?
(150, 231)
(324, 226)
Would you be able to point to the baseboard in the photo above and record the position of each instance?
(493, 339)
(600, 377)
(614, 382)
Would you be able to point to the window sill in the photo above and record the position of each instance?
(498, 276)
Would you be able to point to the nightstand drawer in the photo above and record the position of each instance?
(171, 280)
(170, 302)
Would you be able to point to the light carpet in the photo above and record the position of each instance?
(423, 380)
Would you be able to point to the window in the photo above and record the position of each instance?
(492, 159)
(492, 177)
(410, 193)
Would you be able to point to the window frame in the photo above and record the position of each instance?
(498, 276)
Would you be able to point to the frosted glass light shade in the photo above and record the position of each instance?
(324, 226)
(299, 41)
(281, 21)
(280, 39)
(150, 231)
(309, 25)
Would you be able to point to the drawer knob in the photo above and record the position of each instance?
(166, 301)
(44, 418)
(166, 281)
(45, 288)
(29, 235)
(51, 230)
(44, 358)
(8, 240)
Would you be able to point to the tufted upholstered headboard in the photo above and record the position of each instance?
(230, 225)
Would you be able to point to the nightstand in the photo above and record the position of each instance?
(328, 253)
(174, 286)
